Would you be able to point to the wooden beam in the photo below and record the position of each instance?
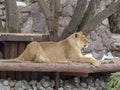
(59, 67)
(23, 37)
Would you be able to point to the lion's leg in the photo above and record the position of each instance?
(88, 60)
(30, 52)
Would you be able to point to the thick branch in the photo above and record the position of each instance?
(89, 14)
(12, 24)
(56, 19)
(100, 17)
(1, 26)
(46, 12)
(76, 19)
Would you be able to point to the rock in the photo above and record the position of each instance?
(61, 88)
(63, 2)
(12, 83)
(46, 84)
(67, 87)
(76, 79)
(6, 82)
(83, 84)
(33, 83)
(39, 85)
(73, 2)
(64, 21)
(102, 83)
(92, 88)
(83, 88)
(27, 27)
(52, 83)
(49, 88)
(90, 82)
(67, 11)
(41, 88)
(60, 31)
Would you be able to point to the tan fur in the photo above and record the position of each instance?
(64, 51)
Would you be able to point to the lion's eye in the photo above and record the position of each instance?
(75, 35)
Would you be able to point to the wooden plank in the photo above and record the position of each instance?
(6, 50)
(22, 37)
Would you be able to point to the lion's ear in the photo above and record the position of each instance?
(76, 35)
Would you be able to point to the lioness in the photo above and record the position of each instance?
(67, 50)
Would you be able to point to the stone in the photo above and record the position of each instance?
(92, 88)
(93, 36)
(90, 82)
(73, 2)
(46, 84)
(60, 88)
(27, 27)
(76, 79)
(102, 83)
(52, 83)
(83, 84)
(60, 31)
(67, 87)
(49, 88)
(41, 88)
(64, 21)
(39, 85)
(12, 83)
(33, 83)
(38, 22)
(67, 11)
(63, 2)
(6, 82)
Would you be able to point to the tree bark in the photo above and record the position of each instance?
(100, 17)
(76, 19)
(1, 26)
(12, 24)
(56, 19)
(89, 14)
(114, 22)
(46, 13)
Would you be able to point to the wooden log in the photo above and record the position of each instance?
(59, 67)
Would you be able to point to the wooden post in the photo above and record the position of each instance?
(57, 80)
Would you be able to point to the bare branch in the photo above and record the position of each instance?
(76, 18)
(56, 19)
(89, 14)
(100, 17)
(46, 12)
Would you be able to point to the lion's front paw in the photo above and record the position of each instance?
(97, 63)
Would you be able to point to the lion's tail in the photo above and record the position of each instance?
(11, 60)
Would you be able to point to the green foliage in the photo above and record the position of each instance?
(114, 83)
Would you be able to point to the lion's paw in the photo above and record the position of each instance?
(97, 63)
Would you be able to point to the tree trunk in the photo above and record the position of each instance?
(1, 26)
(100, 17)
(76, 19)
(114, 22)
(12, 24)
(89, 14)
(46, 13)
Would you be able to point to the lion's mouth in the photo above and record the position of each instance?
(85, 46)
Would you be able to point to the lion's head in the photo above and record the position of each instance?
(80, 39)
